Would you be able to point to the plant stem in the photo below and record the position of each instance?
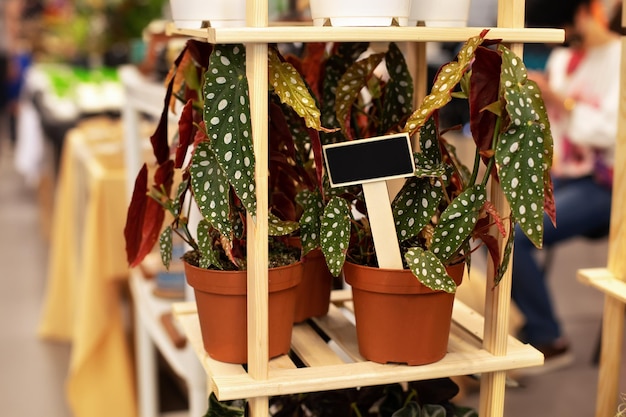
(356, 410)
(492, 159)
(475, 169)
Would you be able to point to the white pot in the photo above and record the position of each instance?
(442, 13)
(191, 14)
(360, 12)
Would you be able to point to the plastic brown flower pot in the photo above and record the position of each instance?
(399, 320)
(222, 310)
(313, 292)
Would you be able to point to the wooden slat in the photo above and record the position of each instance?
(341, 331)
(357, 34)
(311, 349)
(466, 356)
(324, 378)
(604, 280)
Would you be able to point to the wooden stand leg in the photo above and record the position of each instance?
(610, 357)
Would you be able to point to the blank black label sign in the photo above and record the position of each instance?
(368, 160)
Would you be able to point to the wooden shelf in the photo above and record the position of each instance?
(337, 364)
(278, 34)
(605, 281)
(328, 368)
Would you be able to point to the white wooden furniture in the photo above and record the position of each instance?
(476, 346)
(612, 279)
(144, 97)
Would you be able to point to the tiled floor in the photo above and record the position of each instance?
(32, 371)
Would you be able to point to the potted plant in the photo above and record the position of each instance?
(212, 162)
(442, 213)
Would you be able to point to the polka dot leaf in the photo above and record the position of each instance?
(447, 78)
(523, 152)
(414, 206)
(227, 119)
(288, 84)
(398, 94)
(165, 246)
(208, 255)
(429, 152)
(457, 222)
(350, 86)
(429, 270)
(335, 234)
(278, 227)
(210, 187)
(310, 221)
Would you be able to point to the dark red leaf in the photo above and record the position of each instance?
(164, 177)
(135, 215)
(186, 132)
(491, 242)
(200, 52)
(316, 147)
(160, 146)
(484, 89)
(284, 207)
(154, 212)
(549, 206)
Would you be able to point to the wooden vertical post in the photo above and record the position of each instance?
(258, 323)
(614, 310)
(498, 299)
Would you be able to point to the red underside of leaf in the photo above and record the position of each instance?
(186, 132)
(135, 215)
(158, 139)
(484, 89)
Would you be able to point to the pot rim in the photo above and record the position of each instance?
(394, 281)
(236, 282)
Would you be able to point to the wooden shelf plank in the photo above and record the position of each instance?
(276, 34)
(603, 280)
(325, 370)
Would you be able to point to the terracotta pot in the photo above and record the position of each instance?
(222, 310)
(313, 292)
(399, 320)
(360, 12)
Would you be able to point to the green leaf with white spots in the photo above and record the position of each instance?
(429, 270)
(209, 256)
(165, 246)
(447, 78)
(335, 234)
(428, 159)
(278, 227)
(350, 86)
(227, 119)
(414, 206)
(398, 94)
(174, 206)
(429, 152)
(289, 85)
(209, 184)
(457, 222)
(521, 149)
(310, 221)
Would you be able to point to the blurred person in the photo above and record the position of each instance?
(10, 11)
(581, 89)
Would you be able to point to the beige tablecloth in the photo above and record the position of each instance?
(87, 269)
